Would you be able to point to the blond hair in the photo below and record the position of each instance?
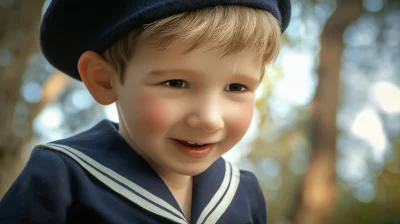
(232, 29)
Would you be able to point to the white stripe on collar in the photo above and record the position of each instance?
(212, 212)
(83, 160)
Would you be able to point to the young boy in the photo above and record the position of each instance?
(183, 75)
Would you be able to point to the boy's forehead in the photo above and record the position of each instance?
(175, 60)
(178, 52)
(71, 27)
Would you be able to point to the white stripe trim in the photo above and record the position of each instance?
(81, 158)
(217, 196)
(226, 201)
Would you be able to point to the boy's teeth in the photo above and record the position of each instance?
(194, 143)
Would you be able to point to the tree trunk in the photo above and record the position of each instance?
(19, 22)
(317, 191)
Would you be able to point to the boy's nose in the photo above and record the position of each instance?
(206, 116)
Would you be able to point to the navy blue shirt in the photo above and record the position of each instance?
(96, 177)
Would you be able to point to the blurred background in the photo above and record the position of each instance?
(325, 139)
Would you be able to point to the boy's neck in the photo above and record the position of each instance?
(181, 188)
(174, 181)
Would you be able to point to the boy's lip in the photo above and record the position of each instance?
(198, 142)
(199, 151)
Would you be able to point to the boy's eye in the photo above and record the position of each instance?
(235, 87)
(175, 83)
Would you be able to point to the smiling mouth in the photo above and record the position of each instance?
(193, 149)
(191, 144)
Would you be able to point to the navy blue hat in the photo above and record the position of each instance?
(71, 27)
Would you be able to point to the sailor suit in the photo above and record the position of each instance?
(96, 177)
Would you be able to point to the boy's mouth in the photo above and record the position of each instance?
(194, 149)
(190, 144)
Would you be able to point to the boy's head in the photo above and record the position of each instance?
(71, 27)
(186, 78)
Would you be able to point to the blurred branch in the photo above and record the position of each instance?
(317, 192)
(56, 84)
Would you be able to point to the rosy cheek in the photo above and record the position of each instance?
(153, 113)
(241, 120)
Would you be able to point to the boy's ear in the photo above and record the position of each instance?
(96, 74)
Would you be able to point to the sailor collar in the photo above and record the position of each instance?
(103, 153)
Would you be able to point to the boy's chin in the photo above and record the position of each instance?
(190, 170)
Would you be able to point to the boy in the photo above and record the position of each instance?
(183, 75)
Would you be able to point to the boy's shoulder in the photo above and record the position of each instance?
(250, 180)
(101, 142)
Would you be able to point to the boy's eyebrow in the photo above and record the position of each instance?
(174, 71)
(248, 78)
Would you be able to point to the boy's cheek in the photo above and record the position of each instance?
(155, 114)
(240, 120)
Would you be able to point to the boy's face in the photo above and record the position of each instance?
(170, 97)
